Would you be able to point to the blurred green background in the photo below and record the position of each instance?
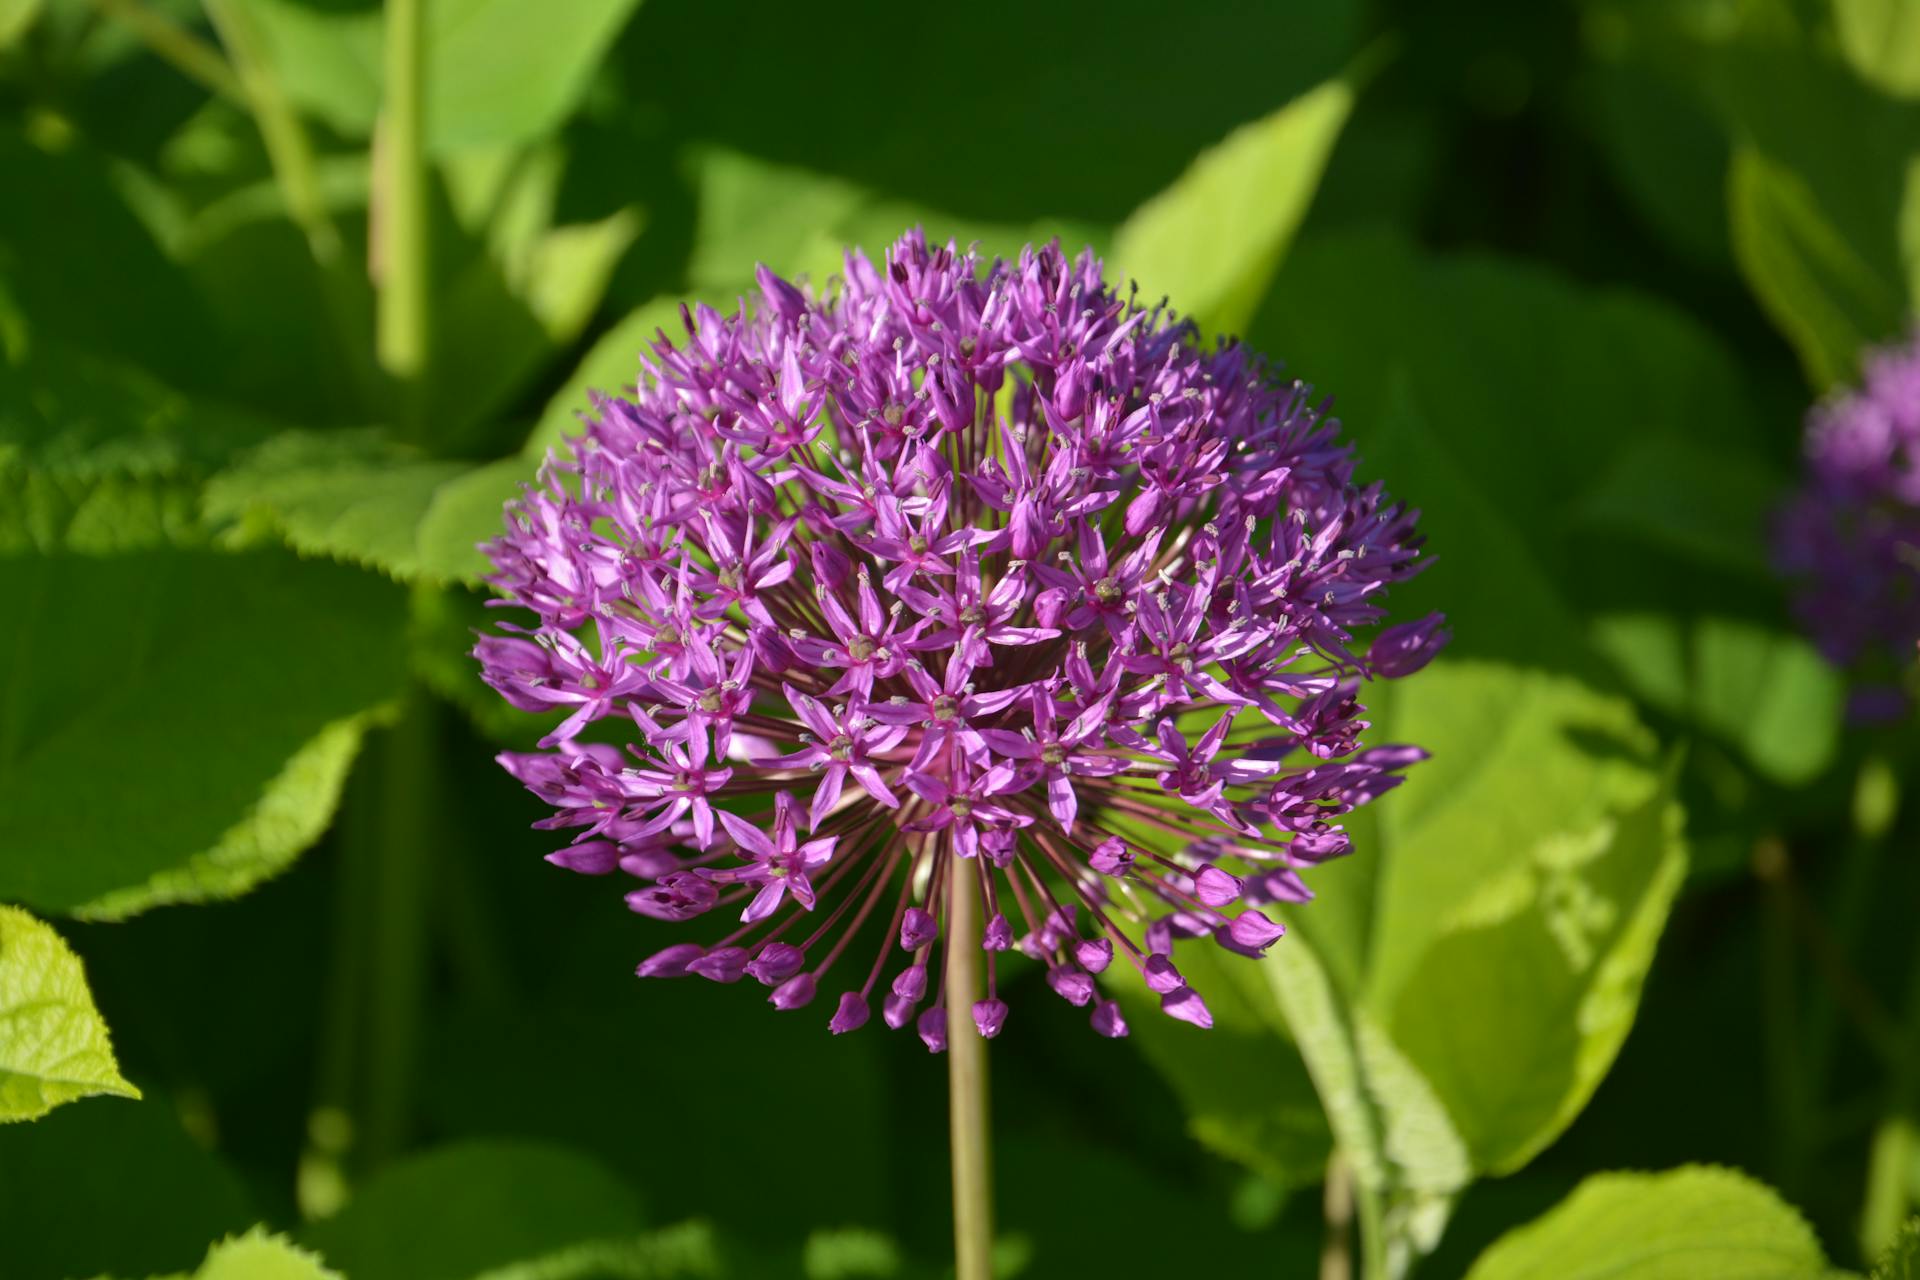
(1572, 272)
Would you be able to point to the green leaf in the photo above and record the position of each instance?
(121, 1191)
(611, 366)
(289, 817)
(1881, 41)
(687, 1250)
(1809, 278)
(1404, 1147)
(850, 1254)
(1245, 1097)
(1212, 241)
(357, 496)
(55, 1047)
(520, 286)
(498, 72)
(98, 458)
(1901, 1261)
(16, 16)
(470, 1208)
(1567, 860)
(1767, 692)
(1693, 1223)
(217, 671)
(801, 223)
(261, 1255)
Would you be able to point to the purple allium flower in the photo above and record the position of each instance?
(1850, 538)
(958, 561)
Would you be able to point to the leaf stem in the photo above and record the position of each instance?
(967, 1080)
(1336, 1203)
(399, 934)
(1373, 1231)
(288, 150)
(171, 42)
(400, 265)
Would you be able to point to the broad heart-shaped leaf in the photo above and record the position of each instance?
(53, 1042)
(215, 672)
(261, 1255)
(498, 72)
(1211, 242)
(466, 1209)
(1463, 981)
(1691, 1223)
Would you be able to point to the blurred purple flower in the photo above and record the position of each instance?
(961, 560)
(1850, 538)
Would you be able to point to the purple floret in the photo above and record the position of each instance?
(957, 560)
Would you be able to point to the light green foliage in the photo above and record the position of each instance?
(1881, 41)
(1212, 241)
(850, 1254)
(498, 71)
(802, 223)
(15, 17)
(356, 496)
(53, 1042)
(261, 1255)
(1694, 1223)
(1462, 983)
(1902, 1258)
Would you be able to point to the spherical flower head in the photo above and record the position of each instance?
(1850, 538)
(961, 577)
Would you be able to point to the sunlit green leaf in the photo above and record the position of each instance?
(53, 1042)
(1688, 1224)
(1902, 1258)
(1881, 40)
(497, 71)
(1212, 241)
(261, 1255)
(15, 17)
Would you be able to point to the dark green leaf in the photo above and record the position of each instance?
(467, 1209)
(214, 672)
